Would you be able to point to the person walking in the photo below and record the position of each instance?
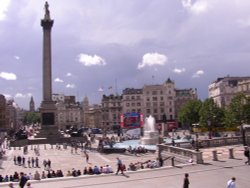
(119, 166)
(231, 183)
(247, 155)
(23, 180)
(86, 156)
(186, 181)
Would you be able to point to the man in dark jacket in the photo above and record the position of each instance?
(246, 153)
(186, 181)
(23, 180)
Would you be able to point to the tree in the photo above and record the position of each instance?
(189, 113)
(237, 110)
(210, 114)
(31, 117)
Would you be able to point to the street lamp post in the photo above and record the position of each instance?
(209, 128)
(197, 142)
(195, 130)
(243, 133)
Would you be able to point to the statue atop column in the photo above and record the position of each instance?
(47, 13)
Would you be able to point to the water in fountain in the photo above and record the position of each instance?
(150, 136)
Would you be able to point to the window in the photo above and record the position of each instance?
(138, 104)
(161, 103)
(127, 104)
(162, 110)
(138, 97)
(155, 110)
(162, 98)
(154, 98)
(127, 97)
(148, 99)
(154, 92)
(148, 111)
(170, 109)
(133, 104)
(133, 98)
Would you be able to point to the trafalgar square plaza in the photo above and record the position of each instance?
(143, 157)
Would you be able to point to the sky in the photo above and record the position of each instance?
(104, 46)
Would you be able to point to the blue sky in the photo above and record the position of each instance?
(102, 43)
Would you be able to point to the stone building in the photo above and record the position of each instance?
(68, 112)
(11, 115)
(182, 97)
(2, 112)
(224, 89)
(32, 105)
(111, 109)
(132, 100)
(159, 100)
(162, 101)
(92, 117)
(244, 86)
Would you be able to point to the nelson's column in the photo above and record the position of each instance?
(49, 128)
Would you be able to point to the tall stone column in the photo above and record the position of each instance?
(48, 108)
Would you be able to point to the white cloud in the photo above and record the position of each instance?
(150, 59)
(8, 76)
(58, 80)
(88, 60)
(198, 74)
(197, 7)
(68, 74)
(179, 71)
(3, 9)
(70, 86)
(100, 89)
(20, 95)
(17, 57)
(8, 96)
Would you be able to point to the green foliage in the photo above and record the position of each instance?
(238, 111)
(189, 113)
(211, 114)
(31, 117)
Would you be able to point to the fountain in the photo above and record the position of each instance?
(150, 136)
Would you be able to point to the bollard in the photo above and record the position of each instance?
(44, 146)
(19, 148)
(51, 146)
(14, 148)
(172, 161)
(215, 157)
(31, 147)
(37, 146)
(231, 153)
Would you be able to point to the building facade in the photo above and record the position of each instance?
(32, 105)
(68, 112)
(2, 112)
(182, 97)
(224, 89)
(111, 109)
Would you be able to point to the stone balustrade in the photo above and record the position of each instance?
(178, 152)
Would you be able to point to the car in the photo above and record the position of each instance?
(96, 131)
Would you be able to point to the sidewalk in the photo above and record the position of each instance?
(218, 171)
